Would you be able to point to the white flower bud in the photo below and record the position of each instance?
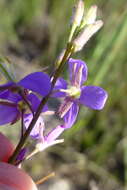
(86, 34)
(78, 13)
(91, 15)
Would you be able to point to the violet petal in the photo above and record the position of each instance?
(8, 95)
(38, 127)
(78, 71)
(35, 101)
(71, 115)
(93, 97)
(60, 84)
(38, 82)
(7, 114)
(54, 133)
(4, 94)
(6, 85)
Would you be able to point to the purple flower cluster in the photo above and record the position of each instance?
(13, 103)
(23, 97)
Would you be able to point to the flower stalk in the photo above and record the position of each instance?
(22, 99)
(68, 53)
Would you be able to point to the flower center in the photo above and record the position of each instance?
(22, 105)
(72, 91)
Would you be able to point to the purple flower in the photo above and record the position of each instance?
(50, 139)
(12, 103)
(11, 108)
(38, 82)
(38, 127)
(75, 93)
(37, 133)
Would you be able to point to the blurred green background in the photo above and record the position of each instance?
(32, 34)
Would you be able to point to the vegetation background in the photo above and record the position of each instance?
(94, 154)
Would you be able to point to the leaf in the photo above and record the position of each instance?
(6, 68)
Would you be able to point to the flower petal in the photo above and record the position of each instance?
(8, 114)
(93, 97)
(78, 71)
(60, 84)
(71, 115)
(6, 86)
(38, 82)
(54, 133)
(38, 127)
(8, 95)
(35, 101)
(4, 94)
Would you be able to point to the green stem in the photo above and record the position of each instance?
(73, 28)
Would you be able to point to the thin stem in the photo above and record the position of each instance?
(26, 101)
(45, 178)
(73, 28)
(22, 124)
(26, 135)
(68, 52)
(66, 56)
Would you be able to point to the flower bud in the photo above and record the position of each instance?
(78, 13)
(91, 15)
(86, 34)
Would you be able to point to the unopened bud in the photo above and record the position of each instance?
(78, 13)
(86, 34)
(91, 15)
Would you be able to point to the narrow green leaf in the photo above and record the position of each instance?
(6, 68)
